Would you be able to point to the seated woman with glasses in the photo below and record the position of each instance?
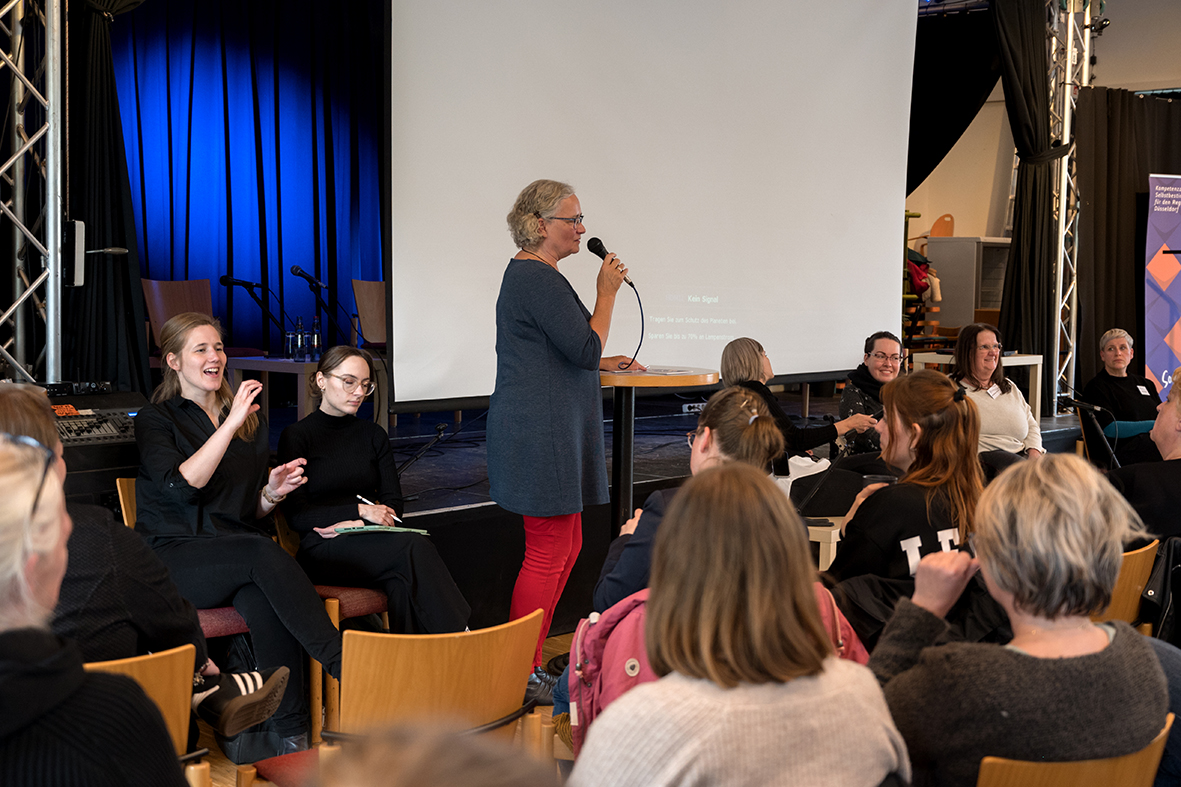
(1008, 430)
(745, 364)
(863, 388)
(352, 480)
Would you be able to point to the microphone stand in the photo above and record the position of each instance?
(326, 311)
(1087, 410)
(439, 430)
(265, 310)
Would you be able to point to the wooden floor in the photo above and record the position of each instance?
(224, 772)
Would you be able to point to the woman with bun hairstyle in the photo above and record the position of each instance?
(929, 430)
(347, 458)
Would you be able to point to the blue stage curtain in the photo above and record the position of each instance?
(253, 141)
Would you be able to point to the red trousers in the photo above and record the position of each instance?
(551, 547)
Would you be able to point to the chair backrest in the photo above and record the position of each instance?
(472, 677)
(944, 227)
(1131, 770)
(370, 297)
(1133, 576)
(166, 299)
(126, 487)
(167, 678)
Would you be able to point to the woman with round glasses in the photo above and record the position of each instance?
(50, 733)
(863, 388)
(349, 458)
(546, 460)
(1008, 430)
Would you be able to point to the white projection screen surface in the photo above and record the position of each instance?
(746, 160)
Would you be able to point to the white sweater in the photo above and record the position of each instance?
(828, 729)
(1006, 422)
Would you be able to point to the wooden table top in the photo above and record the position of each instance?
(660, 377)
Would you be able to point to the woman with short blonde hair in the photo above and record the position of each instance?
(733, 628)
(1049, 539)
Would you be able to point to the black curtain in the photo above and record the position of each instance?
(1028, 312)
(1121, 139)
(956, 66)
(103, 322)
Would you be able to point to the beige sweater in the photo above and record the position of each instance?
(1006, 422)
(829, 729)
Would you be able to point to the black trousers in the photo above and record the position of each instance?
(423, 598)
(273, 595)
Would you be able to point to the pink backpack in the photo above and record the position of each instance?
(608, 657)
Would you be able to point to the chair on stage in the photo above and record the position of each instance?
(473, 677)
(166, 299)
(1131, 770)
(371, 319)
(944, 227)
(1125, 597)
(167, 679)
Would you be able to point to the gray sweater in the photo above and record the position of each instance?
(827, 729)
(958, 703)
(545, 420)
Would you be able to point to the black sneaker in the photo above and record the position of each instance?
(239, 700)
(540, 687)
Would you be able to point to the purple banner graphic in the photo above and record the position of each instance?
(1162, 285)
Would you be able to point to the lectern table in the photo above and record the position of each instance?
(623, 424)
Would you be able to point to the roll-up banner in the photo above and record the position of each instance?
(1162, 285)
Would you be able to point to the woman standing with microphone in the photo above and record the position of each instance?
(546, 459)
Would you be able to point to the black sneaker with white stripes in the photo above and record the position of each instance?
(233, 702)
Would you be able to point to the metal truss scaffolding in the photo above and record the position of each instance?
(31, 184)
(1068, 37)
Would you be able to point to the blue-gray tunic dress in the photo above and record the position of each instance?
(545, 422)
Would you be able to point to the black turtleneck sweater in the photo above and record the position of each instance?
(63, 726)
(346, 457)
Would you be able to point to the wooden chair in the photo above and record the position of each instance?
(370, 299)
(475, 677)
(166, 299)
(944, 227)
(1130, 770)
(1133, 576)
(218, 622)
(167, 679)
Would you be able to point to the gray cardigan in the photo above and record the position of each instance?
(545, 420)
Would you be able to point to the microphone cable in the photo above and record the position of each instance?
(641, 344)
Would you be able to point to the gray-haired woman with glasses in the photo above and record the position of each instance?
(352, 480)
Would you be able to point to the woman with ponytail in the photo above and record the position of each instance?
(735, 426)
(204, 497)
(930, 430)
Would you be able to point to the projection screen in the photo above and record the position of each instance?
(747, 161)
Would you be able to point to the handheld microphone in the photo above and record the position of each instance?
(230, 281)
(298, 271)
(596, 246)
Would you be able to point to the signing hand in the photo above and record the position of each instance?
(630, 525)
(243, 404)
(941, 578)
(378, 515)
(614, 363)
(858, 422)
(285, 479)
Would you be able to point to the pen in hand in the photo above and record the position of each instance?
(369, 503)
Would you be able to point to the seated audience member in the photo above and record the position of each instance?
(744, 363)
(116, 599)
(930, 431)
(1129, 401)
(61, 725)
(734, 427)
(1049, 539)
(416, 755)
(1008, 430)
(863, 389)
(347, 459)
(750, 692)
(1154, 488)
(204, 497)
